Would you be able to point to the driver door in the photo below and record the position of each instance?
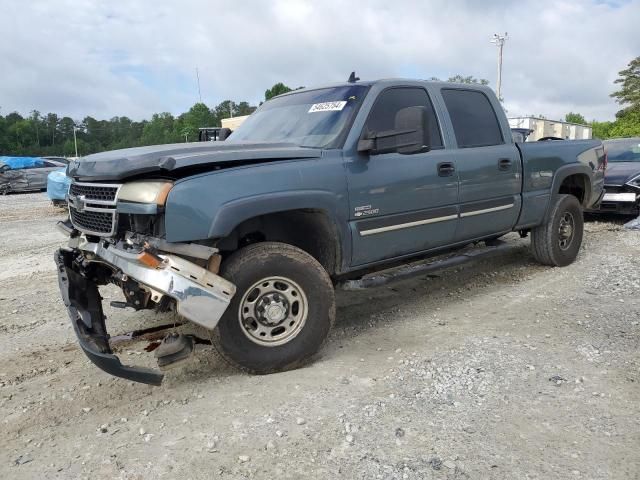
(401, 204)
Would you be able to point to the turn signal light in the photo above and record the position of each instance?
(149, 259)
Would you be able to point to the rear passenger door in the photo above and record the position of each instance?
(488, 165)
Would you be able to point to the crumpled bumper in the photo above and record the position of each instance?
(84, 305)
(201, 297)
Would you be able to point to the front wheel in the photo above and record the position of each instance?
(282, 311)
(557, 242)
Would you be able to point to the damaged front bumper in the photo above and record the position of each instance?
(200, 296)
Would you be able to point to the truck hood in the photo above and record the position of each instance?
(619, 173)
(167, 159)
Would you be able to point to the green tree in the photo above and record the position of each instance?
(626, 125)
(601, 130)
(572, 117)
(629, 94)
(226, 109)
(159, 130)
(278, 89)
(469, 79)
(243, 108)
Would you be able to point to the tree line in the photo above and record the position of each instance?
(49, 134)
(52, 135)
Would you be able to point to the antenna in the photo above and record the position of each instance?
(198, 77)
(353, 78)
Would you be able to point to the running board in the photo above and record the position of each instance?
(383, 278)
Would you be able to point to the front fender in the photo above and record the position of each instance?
(232, 213)
(211, 205)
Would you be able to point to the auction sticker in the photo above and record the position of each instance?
(327, 106)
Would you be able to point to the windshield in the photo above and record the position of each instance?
(314, 118)
(623, 151)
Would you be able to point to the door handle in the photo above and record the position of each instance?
(446, 169)
(504, 164)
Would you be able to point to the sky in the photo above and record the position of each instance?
(136, 58)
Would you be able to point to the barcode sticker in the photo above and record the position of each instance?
(327, 106)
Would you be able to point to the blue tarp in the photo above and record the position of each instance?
(58, 184)
(16, 163)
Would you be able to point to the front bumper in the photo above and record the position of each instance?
(623, 203)
(201, 297)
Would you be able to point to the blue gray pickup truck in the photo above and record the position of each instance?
(248, 237)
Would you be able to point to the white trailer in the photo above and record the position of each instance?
(543, 127)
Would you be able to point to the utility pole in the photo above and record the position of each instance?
(198, 77)
(498, 41)
(75, 140)
(230, 109)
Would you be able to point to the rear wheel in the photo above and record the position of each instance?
(558, 241)
(282, 311)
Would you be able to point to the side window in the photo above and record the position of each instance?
(383, 113)
(474, 121)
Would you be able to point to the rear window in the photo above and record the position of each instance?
(623, 150)
(474, 121)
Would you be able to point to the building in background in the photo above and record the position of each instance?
(233, 122)
(544, 128)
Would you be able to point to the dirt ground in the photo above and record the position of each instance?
(502, 369)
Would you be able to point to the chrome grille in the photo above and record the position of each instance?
(92, 208)
(94, 222)
(97, 192)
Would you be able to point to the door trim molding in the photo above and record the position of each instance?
(486, 210)
(375, 225)
(398, 226)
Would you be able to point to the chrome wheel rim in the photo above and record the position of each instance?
(566, 228)
(273, 311)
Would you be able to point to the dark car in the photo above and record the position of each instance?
(25, 174)
(622, 177)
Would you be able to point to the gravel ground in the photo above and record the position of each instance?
(501, 369)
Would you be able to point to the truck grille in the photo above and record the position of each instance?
(92, 208)
(93, 222)
(101, 193)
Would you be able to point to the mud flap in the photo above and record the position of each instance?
(84, 305)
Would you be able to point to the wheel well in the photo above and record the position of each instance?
(310, 230)
(577, 185)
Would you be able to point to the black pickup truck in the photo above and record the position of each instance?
(248, 237)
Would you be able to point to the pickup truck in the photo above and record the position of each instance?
(248, 237)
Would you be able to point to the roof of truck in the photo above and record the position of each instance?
(388, 81)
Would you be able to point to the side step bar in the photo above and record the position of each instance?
(415, 270)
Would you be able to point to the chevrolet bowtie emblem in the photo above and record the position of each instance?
(78, 202)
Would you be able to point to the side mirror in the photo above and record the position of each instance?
(412, 125)
(410, 134)
(223, 134)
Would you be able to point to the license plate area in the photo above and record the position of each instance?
(619, 197)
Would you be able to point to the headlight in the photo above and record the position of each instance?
(145, 192)
(635, 181)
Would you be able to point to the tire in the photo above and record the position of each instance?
(552, 243)
(260, 273)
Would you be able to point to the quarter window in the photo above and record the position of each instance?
(474, 121)
(383, 113)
